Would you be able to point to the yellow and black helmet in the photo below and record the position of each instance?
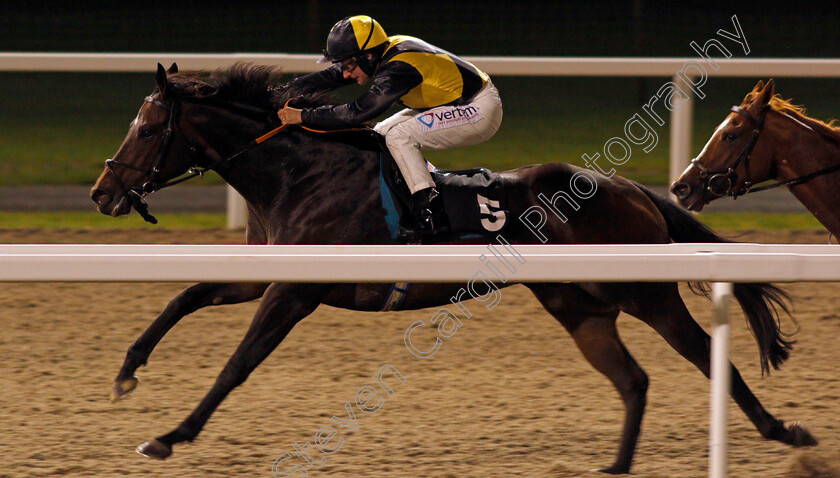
(352, 36)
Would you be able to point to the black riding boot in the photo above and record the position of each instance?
(429, 217)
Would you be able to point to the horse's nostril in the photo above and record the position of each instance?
(681, 190)
(97, 195)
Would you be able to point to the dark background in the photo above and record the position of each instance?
(541, 28)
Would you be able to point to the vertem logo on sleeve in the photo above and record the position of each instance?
(442, 118)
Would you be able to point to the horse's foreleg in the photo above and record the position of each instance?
(283, 305)
(661, 307)
(187, 302)
(591, 324)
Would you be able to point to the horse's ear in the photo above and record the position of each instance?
(767, 92)
(162, 82)
(173, 68)
(759, 86)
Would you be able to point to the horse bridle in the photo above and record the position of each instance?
(722, 182)
(137, 194)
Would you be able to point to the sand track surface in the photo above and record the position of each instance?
(508, 395)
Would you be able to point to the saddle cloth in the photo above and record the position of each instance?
(473, 199)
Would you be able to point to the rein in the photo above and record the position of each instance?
(195, 171)
(137, 194)
(797, 180)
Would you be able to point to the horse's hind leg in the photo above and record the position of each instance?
(188, 301)
(591, 324)
(660, 306)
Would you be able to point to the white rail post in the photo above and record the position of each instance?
(237, 209)
(721, 381)
(681, 133)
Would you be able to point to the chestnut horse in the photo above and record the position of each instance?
(307, 188)
(768, 138)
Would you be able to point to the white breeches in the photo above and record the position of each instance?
(410, 131)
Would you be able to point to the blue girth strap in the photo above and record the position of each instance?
(396, 296)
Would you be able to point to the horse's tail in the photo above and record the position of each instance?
(759, 301)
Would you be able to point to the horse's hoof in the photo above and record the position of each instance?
(154, 449)
(798, 435)
(614, 470)
(123, 387)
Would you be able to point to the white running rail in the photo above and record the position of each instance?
(441, 263)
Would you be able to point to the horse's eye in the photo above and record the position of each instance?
(146, 133)
(729, 137)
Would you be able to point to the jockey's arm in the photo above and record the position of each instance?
(327, 79)
(392, 81)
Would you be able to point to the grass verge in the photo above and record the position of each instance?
(93, 220)
(760, 220)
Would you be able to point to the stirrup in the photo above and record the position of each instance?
(428, 225)
(419, 235)
(429, 218)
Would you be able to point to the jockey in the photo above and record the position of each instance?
(449, 102)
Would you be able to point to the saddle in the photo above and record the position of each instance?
(473, 199)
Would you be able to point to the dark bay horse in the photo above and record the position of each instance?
(768, 138)
(306, 188)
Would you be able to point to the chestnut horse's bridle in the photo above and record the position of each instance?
(722, 182)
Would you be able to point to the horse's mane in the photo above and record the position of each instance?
(798, 111)
(248, 83)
